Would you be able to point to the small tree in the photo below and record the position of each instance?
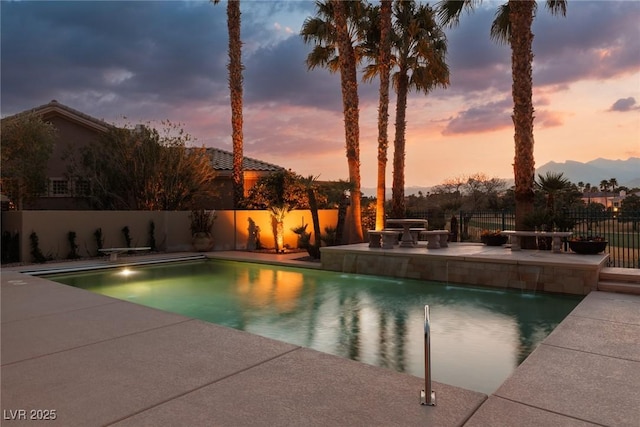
(277, 189)
(26, 145)
(277, 216)
(309, 184)
(145, 169)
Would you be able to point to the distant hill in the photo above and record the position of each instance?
(371, 191)
(626, 172)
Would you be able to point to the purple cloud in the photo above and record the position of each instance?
(483, 118)
(625, 104)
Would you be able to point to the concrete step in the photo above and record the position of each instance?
(621, 287)
(617, 274)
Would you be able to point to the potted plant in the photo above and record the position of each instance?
(493, 238)
(587, 245)
(201, 224)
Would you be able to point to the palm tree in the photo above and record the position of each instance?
(309, 184)
(235, 87)
(513, 25)
(613, 183)
(420, 51)
(336, 30)
(551, 184)
(419, 47)
(384, 61)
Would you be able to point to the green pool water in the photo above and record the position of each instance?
(479, 335)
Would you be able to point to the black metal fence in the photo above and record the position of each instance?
(621, 230)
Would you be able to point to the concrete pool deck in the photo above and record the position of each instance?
(100, 361)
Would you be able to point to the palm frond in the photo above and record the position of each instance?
(500, 27)
(449, 11)
(557, 6)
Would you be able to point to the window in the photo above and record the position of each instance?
(82, 188)
(59, 187)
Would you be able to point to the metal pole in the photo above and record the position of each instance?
(427, 396)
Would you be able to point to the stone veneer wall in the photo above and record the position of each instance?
(557, 278)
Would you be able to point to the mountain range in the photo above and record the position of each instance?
(626, 172)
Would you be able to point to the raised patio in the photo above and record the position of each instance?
(473, 264)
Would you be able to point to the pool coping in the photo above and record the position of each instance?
(584, 373)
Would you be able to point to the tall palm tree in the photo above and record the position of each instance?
(418, 55)
(235, 87)
(513, 25)
(384, 61)
(336, 30)
(420, 47)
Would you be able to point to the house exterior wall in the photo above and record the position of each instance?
(231, 229)
(71, 138)
(224, 187)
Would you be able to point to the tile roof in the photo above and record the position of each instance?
(223, 160)
(56, 107)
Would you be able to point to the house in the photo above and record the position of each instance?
(77, 130)
(610, 200)
(223, 164)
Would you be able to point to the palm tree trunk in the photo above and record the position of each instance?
(383, 109)
(235, 87)
(313, 207)
(397, 194)
(521, 38)
(349, 83)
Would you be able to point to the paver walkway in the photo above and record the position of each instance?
(95, 360)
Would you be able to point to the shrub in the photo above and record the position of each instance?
(73, 252)
(36, 253)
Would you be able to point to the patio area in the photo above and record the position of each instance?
(473, 264)
(94, 360)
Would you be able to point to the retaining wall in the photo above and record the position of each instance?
(172, 232)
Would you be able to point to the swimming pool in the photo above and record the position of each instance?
(479, 335)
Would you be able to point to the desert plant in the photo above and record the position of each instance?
(330, 236)
(127, 235)
(36, 253)
(10, 247)
(99, 239)
(202, 221)
(73, 251)
(152, 236)
(304, 237)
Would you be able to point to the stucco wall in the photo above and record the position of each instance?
(172, 234)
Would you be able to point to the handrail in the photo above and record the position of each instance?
(427, 396)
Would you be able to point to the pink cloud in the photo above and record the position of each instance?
(489, 117)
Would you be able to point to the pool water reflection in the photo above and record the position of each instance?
(479, 335)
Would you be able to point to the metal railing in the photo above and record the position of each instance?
(621, 230)
(427, 396)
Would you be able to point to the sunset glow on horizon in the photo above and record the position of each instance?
(167, 60)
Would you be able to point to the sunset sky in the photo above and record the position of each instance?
(149, 61)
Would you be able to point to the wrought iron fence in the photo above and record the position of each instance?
(621, 230)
